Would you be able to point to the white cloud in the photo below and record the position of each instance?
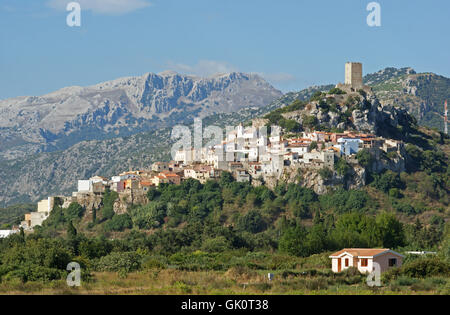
(277, 77)
(114, 7)
(203, 68)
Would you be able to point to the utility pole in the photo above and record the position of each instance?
(446, 118)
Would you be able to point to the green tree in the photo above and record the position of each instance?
(310, 122)
(336, 91)
(342, 167)
(108, 204)
(251, 222)
(74, 211)
(391, 230)
(313, 146)
(365, 159)
(326, 173)
(71, 230)
(387, 180)
(119, 223)
(317, 239)
(294, 242)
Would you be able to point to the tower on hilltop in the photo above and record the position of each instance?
(353, 75)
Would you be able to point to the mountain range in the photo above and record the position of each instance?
(50, 142)
(122, 107)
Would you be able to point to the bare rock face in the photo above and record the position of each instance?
(90, 202)
(422, 94)
(120, 207)
(129, 198)
(309, 177)
(354, 111)
(122, 107)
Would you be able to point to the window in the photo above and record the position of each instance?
(392, 262)
(364, 262)
(346, 262)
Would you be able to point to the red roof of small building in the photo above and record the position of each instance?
(361, 252)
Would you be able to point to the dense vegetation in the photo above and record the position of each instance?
(218, 226)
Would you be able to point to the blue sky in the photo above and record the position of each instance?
(293, 43)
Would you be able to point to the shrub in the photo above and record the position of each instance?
(422, 286)
(154, 262)
(251, 222)
(316, 284)
(387, 181)
(74, 211)
(35, 273)
(310, 122)
(293, 242)
(365, 159)
(119, 223)
(394, 193)
(108, 204)
(342, 167)
(215, 245)
(318, 95)
(405, 281)
(426, 267)
(362, 93)
(336, 91)
(120, 261)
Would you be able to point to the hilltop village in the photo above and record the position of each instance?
(260, 154)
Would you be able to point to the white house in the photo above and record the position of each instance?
(7, 233)
(299, 148)
(37, 218)
(349, 146)
(160, 167)
(242, 176)
(84, 186)
(364, 258)
(46, 205)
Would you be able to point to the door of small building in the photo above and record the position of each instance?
(339, 265)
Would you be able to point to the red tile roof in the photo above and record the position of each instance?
(358, 252)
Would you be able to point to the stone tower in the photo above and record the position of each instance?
(353, 75)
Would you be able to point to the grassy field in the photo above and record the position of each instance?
(235, 281)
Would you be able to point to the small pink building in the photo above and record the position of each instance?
(365, 258)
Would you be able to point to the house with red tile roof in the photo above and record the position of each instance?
(364, 259)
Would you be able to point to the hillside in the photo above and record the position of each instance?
(13, 215)
(422, 94)
(237, 231)
(55, 173)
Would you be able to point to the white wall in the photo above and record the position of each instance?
(6, 233)
(367, 269)
(84, 186)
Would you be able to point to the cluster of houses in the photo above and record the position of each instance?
(249, 153)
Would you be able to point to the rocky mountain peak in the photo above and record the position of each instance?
(123, 107)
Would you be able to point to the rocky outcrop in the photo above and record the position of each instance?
(421, 94)
(354, 111)
(89, 202)
(310, 177)
(129, 198)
